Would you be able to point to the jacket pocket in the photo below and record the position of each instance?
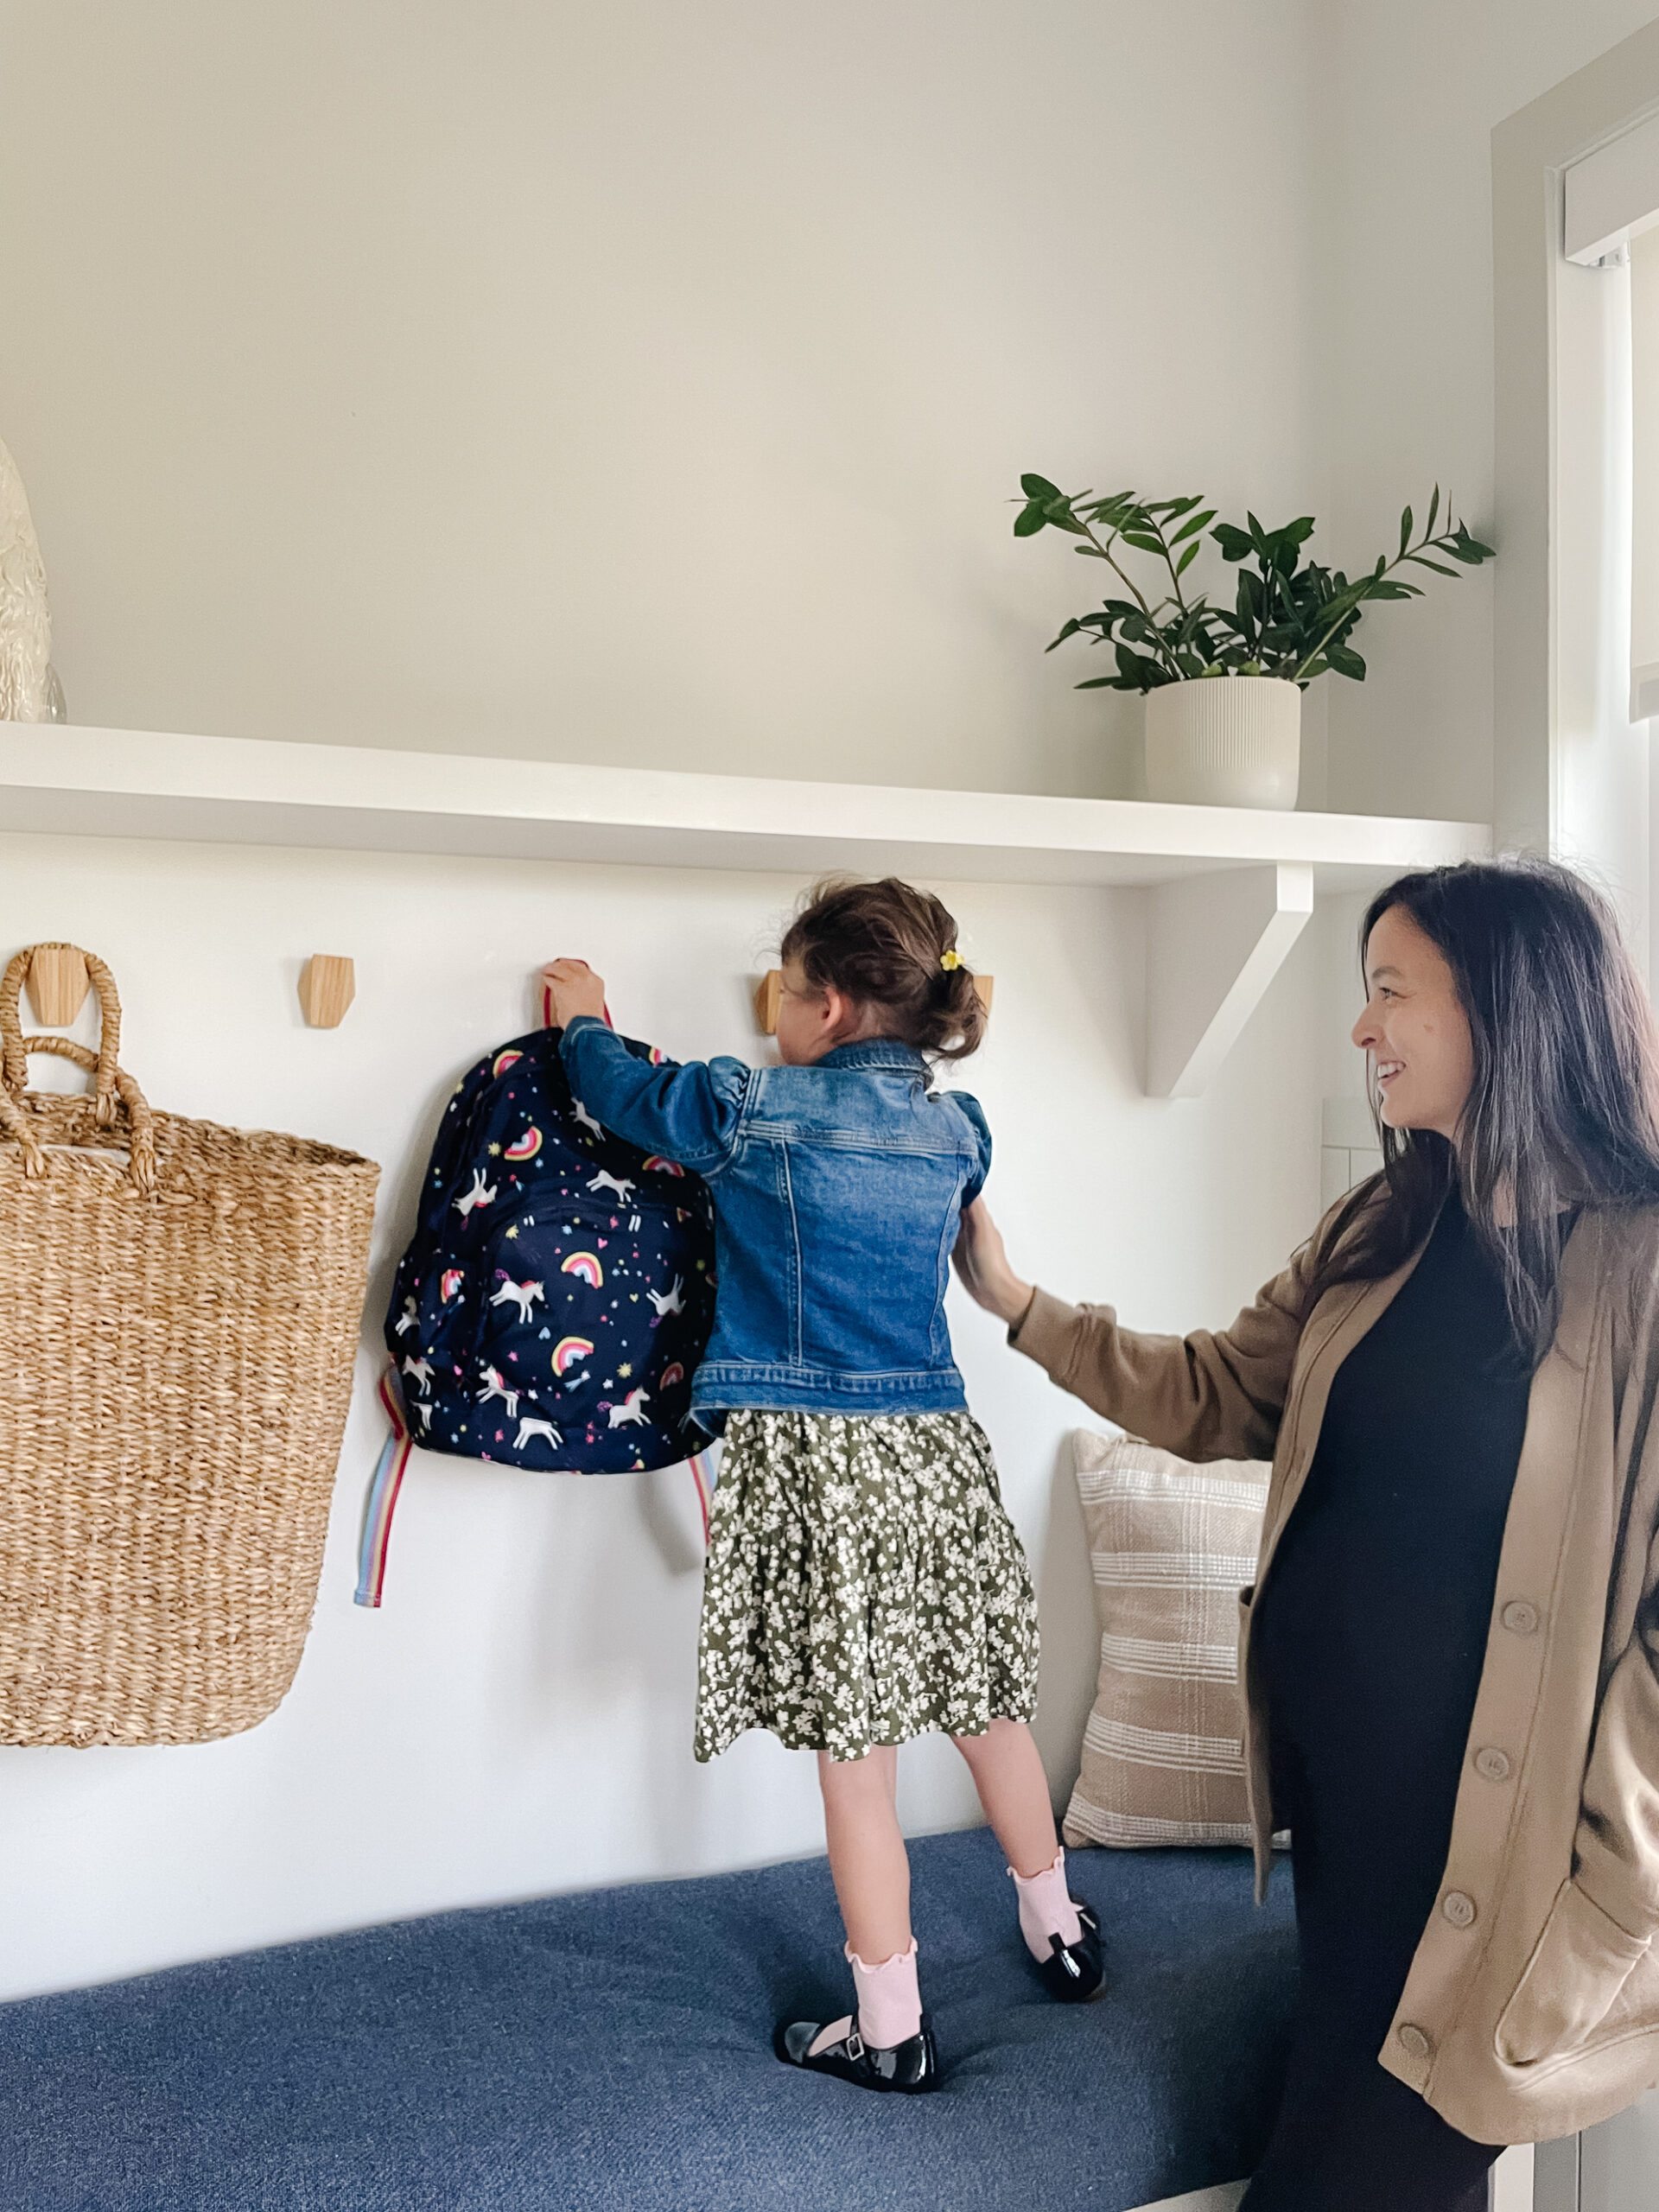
(1578, 1967)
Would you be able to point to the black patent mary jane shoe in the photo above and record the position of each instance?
(1073, 1971)
(910, 2067)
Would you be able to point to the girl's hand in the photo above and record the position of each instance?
(575, 989)
(982, 1263)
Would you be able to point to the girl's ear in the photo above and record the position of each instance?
(835, 1012)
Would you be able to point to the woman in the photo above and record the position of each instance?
(1450, 1654)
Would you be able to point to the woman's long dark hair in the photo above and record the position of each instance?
(1564, 1108)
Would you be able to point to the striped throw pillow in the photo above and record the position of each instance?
(1172, 1545)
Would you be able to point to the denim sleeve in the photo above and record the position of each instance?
(974, 1113)
(688, 1114)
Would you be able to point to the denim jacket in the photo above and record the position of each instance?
(837, 1192)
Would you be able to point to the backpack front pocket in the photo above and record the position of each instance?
(588, 1326)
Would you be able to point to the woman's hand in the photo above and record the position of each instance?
(982, 1263)
(575, 989)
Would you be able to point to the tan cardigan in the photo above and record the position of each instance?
(1532, 2006)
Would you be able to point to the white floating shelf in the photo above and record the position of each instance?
(1231, 888)
(109, 783)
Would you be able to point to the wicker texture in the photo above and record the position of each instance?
(179, 1312)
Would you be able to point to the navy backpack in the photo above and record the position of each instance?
(555, 1297)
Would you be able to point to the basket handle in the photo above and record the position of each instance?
(14, 1048)
(110, 1083)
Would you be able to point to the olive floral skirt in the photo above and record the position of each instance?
(863, 1585)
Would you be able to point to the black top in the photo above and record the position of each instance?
(1374, 1616)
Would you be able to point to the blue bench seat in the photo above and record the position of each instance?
(610, 2053)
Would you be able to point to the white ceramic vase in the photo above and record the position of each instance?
(1225, 741)
(29, 691)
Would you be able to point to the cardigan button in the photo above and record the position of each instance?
(1459, 1909)
(1414, 2042)
(1491, 1764)
(1520, 1617)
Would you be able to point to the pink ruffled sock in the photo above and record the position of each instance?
(889, 1998)
(1046, 1910)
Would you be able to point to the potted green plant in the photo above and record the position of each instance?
(1223, 685)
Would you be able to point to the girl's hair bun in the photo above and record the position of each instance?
(890, 945)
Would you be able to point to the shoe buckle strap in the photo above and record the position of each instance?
(855, 2043)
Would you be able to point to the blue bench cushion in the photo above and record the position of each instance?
(611, 2053)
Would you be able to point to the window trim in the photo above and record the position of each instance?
(1552, 331)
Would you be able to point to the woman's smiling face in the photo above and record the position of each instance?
(1414, 1029)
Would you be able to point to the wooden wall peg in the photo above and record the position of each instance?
(58, 984)
(769, 991)
(768, 996)
(327, 985)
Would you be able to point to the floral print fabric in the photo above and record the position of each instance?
(863, 1585)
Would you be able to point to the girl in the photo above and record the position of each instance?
(864, 1584)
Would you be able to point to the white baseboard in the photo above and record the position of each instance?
(1511, 2190)
(1201, 2200)
(1512, 2181)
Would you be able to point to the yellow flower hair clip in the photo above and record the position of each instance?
(952, 959)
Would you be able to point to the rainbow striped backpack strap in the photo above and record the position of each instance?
(384, 1486)
(554, 1298)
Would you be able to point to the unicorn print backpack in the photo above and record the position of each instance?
(555, 1297)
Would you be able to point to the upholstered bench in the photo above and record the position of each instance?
(610, 2053)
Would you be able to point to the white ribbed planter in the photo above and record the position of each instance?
(1225, 741)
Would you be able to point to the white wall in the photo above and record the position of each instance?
(645, 384)
(1408, 95)
(637, 382)
(517, 1716)
(641, 384)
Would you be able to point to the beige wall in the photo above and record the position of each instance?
(644, 384)
(1409, 92)
(637, 382)
(647, 383)
(516, 1718)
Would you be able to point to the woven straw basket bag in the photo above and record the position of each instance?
(178, 1310)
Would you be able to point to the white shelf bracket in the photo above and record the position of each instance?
(1214, 944)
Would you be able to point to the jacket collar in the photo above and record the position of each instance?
(890, 1053)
